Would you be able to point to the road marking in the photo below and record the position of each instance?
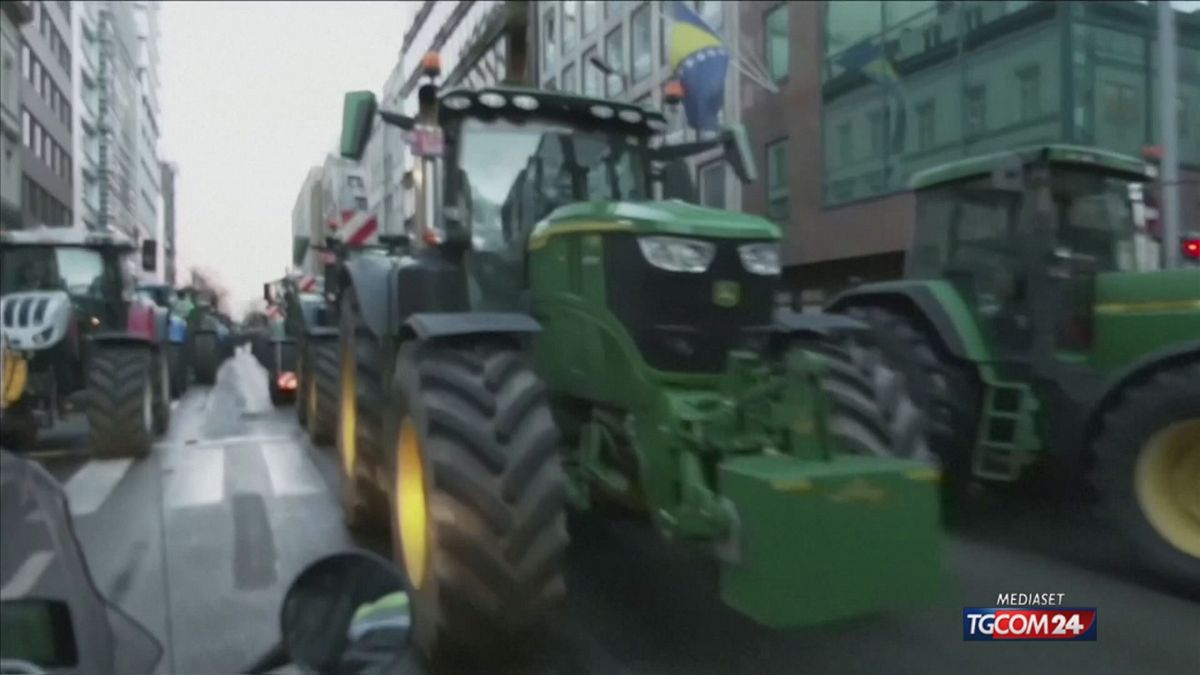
(196, 443)
(197, 478)
(27, 575)
(290, 470)
(90, 486)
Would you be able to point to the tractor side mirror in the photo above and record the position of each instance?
(736, 144)
(267, 293)
(358, 112)
(149, 255)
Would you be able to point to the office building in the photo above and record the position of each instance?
(13, 15)
(168, 251)
(46, 109)
(837, 147)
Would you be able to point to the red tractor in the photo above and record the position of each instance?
(70, 313)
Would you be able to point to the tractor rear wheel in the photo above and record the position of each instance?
(360, 418)
(162, 391)
(477, 502)
(177, 369)
(120, 408)
(870, 409)
(1147, 470)
(323, 391)
(945, 389)
(205, 357)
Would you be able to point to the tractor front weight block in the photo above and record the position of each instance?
(815, 541)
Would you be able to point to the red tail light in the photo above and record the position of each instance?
(287, 381)
(1191, 248)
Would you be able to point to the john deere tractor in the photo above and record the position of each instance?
(78, 338)
(1036, 327)
(556, 334)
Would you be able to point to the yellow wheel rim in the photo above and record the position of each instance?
(348, 415)
(1167, 484)
(410, 503)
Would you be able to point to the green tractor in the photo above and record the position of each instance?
(1036, 328)
(554, 335)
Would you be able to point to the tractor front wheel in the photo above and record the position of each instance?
(162, 391)
(322, 413)
(477, 502)
(1148, 470)
(360, 417)
(120, 410)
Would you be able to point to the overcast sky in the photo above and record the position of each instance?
(251, 99)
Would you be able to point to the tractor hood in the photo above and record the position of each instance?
(670, 217)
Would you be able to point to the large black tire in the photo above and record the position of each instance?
(1147, 470)
(946, 389)
(475, 469)
(205, 357)
(120, 407)
(162, 391)
(19, 429)
(303, 383)
(360, 419)
(870, 410)
(323, 408)
(178, 369)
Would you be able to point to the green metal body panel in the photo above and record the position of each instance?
(789, 576)
(671, 217)
(1140, 313)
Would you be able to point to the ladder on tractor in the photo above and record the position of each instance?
(1007, 440)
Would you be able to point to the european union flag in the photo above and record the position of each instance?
(700, 61)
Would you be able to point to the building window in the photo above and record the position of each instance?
(641, 48)
(845, 144)
(591, 16)
(710, 11)
(568, 79)
(777, 43)
(975, 104)
(777, 188)
(664, 38)
(875, 123)
(1182, 124)
(26, 128)
(36, 75)
(712, 184)
(925, 126)
(614, 55)
(549, 41)
(591, 74)
(360, 203)
(1120, 103)
(26, 62)
(1030, 83)
(37, 140)
(570, 25)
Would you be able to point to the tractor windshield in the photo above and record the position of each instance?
(513, 175)
(79, 271)
(1096, 220)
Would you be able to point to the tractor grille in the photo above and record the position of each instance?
(672, 316)
(23, 312)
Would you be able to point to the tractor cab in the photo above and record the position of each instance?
(47, 271)
(1022, 236)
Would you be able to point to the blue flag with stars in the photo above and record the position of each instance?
(700, 61)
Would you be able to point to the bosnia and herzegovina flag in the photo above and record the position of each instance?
(872, 61)
(700, 61)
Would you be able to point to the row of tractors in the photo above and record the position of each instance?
(79, 334)
(561, 332)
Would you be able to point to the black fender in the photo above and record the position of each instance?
(1139, 369)
(914, 298)
(113, 339)
(372, 278)
(434, 325)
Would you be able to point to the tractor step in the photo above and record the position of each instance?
(1007, 440)
(821, 540)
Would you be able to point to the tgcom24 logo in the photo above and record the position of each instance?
(1029, 617)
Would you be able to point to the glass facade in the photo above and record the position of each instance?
(907, 85)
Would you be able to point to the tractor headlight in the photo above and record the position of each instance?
(677, 255)
(761, 258)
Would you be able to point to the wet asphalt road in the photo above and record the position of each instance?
(200, 540)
